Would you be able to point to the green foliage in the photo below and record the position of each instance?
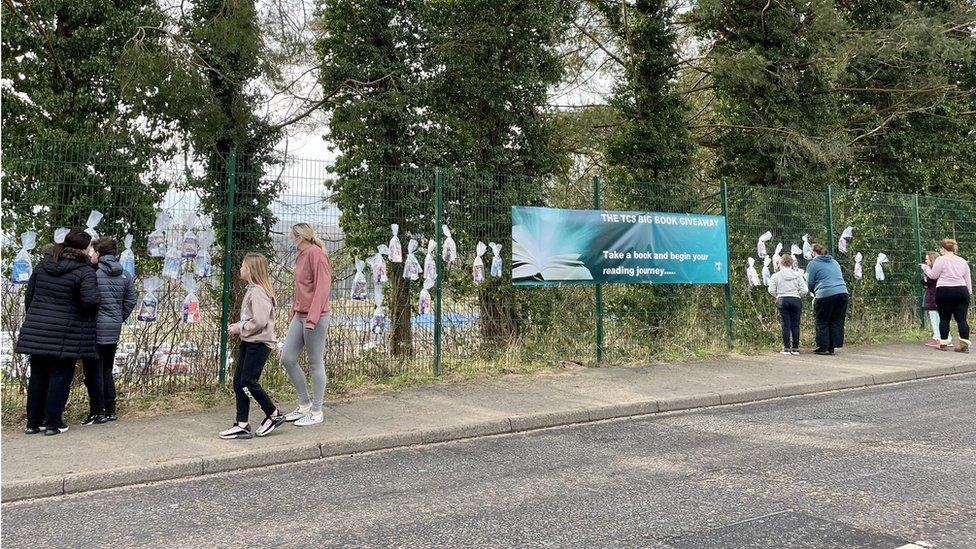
(652, 144)
(772, 69)
(62, 90)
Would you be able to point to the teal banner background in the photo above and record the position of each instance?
(557, 246)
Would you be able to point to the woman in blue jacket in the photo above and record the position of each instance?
(831, 298)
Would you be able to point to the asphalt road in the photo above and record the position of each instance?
(879, 467)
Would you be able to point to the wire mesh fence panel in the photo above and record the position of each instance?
(51, 184)
(488, 322)
(885, 299)
(653, 322)
(785, 221)
(941, 218)
(385, 320)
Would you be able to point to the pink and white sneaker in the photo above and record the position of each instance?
(934, 344)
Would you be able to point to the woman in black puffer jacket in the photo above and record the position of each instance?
(62, 308)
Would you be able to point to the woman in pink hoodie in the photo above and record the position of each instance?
(953, 292)
(308, 324)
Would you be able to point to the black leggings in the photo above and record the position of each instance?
(48, 389)
(250, 364)
(952, 301)
(99, 380)
(831, 312)
(789, 317)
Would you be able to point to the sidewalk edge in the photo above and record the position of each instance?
(74, 483)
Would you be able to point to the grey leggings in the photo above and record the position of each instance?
(314, 343)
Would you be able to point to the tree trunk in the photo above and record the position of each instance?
(499, 318)
(401, 329)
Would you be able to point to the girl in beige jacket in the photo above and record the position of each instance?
(256, 331)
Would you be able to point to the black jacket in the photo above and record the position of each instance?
(118, 299)
(62, 307)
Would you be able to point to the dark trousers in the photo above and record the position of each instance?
(99, 380)
(250, 363)
(830, 313)
(47, 390)
(789, 318)
(953, 301)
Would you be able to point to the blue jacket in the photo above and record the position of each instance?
(824, 277)
(118, 293)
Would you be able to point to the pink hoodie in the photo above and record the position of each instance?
(313, 282)
(950, 271)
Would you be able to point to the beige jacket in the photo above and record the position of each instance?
(257, 324)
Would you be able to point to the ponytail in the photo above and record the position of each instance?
(305, 232)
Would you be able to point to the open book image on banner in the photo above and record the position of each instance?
(559, 246)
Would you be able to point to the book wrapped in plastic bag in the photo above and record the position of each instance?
(411, 267)
(22, 267)
(396, 252)
(478, 268)
(149, 304)
(191, 304)
(359, 289)
(127, 258)
(156, 242)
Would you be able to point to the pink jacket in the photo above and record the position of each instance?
(313, 282)
(950, 271)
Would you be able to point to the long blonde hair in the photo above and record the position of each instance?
(257, 272)
(305, 232)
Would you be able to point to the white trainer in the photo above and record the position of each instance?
(311, 418)
(299, 413)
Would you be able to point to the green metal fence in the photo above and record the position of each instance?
(471, 327)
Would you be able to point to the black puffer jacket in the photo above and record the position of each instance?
(62, 307)
(118, 299)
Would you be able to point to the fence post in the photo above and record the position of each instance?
(597, 205)
(729, 309)
(829, 204)
(228, 262)
(921, 257)
(439, 236)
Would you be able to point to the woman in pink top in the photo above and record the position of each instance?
(308, 324)
(953, 291)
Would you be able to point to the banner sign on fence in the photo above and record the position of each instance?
(557, 246)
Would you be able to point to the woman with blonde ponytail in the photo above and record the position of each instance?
(308, 324)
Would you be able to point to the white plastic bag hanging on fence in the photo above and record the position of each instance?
(156, 242)
(796, 252)
(858, 269)
(478, 269)
(172, 263)
(149, 306)
(191, 244)
(450, 248)
(425, 300)
(93, 218)
(777, 260)
(751, 273)
(878, 269)
(22, 267)
(496, 259)
(430, 262)
(359, 289)
(411, 267)
(60, 234)
(842, 241)
(378, 321)
(396, 252)
(807, 248)
(378, 265)
(191, 304)
(766, 275)
(761, 245)
(202, 263)
(127, 258)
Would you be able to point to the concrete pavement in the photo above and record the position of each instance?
(146, 450)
